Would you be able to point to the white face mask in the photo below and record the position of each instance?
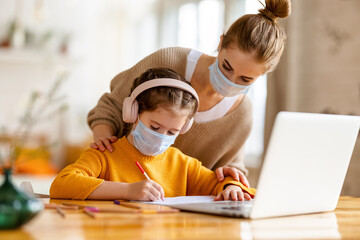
(149, 142)
(224, 86)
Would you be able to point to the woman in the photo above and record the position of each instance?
(250, 48)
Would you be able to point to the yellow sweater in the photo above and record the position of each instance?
(177, 173)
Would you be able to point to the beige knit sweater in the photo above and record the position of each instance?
(216, 143)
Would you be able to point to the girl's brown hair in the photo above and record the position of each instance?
(173, 99)
(260, 33)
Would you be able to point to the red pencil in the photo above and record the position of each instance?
(142, 170)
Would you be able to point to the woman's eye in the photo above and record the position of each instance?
(171, 133)
(154, 128)
(245, 80)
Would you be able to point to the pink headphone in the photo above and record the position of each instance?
(131, 106)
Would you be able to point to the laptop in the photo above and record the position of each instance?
(303, 171)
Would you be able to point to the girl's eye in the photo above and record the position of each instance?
(226, 68)
(171, 133)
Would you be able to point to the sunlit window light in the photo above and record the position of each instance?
(188, 25)
(211, 23)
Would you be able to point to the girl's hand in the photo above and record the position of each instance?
(232, 192)
(146, 190)
(235, 173)
(103, 143)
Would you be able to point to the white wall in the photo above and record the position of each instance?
(103, 40)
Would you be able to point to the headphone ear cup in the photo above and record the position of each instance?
(130, 110)
(187, 126)
(134, 111)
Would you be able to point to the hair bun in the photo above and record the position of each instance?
(275, 9)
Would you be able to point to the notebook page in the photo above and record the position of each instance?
(181, 200)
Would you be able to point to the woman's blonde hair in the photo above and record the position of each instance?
(260, 33)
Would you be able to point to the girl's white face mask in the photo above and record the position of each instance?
(149, 142)
(222, 85)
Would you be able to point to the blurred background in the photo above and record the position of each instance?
(86, 43)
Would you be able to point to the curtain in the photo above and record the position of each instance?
(319, 71)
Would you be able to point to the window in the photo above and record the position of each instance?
(201, 25)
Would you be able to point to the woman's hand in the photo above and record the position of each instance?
(103, 137)
(235, 173)
(233, 192)
(146, 190)
(104, 143)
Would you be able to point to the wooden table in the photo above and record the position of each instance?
(343, 223)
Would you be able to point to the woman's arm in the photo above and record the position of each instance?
(103, 137)
(233, 172)
(235, 168)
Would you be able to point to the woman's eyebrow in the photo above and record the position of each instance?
(229, 66)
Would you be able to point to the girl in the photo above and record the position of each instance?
(161, 106)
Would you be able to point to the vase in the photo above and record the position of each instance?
(16, 207)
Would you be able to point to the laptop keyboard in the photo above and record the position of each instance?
(233, 205)
(225, 208)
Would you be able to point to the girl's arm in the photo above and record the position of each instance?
(108, 190)
(81, 180)
(78, 180)
(232, 192)
(146, 190)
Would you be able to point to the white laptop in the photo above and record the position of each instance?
(303, 171)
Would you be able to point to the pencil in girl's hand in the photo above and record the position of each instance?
(142, 170)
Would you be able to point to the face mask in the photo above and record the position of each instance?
(149, 142)
(223, 85)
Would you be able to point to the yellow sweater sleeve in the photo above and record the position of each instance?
(78, 180)
(203, 181)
